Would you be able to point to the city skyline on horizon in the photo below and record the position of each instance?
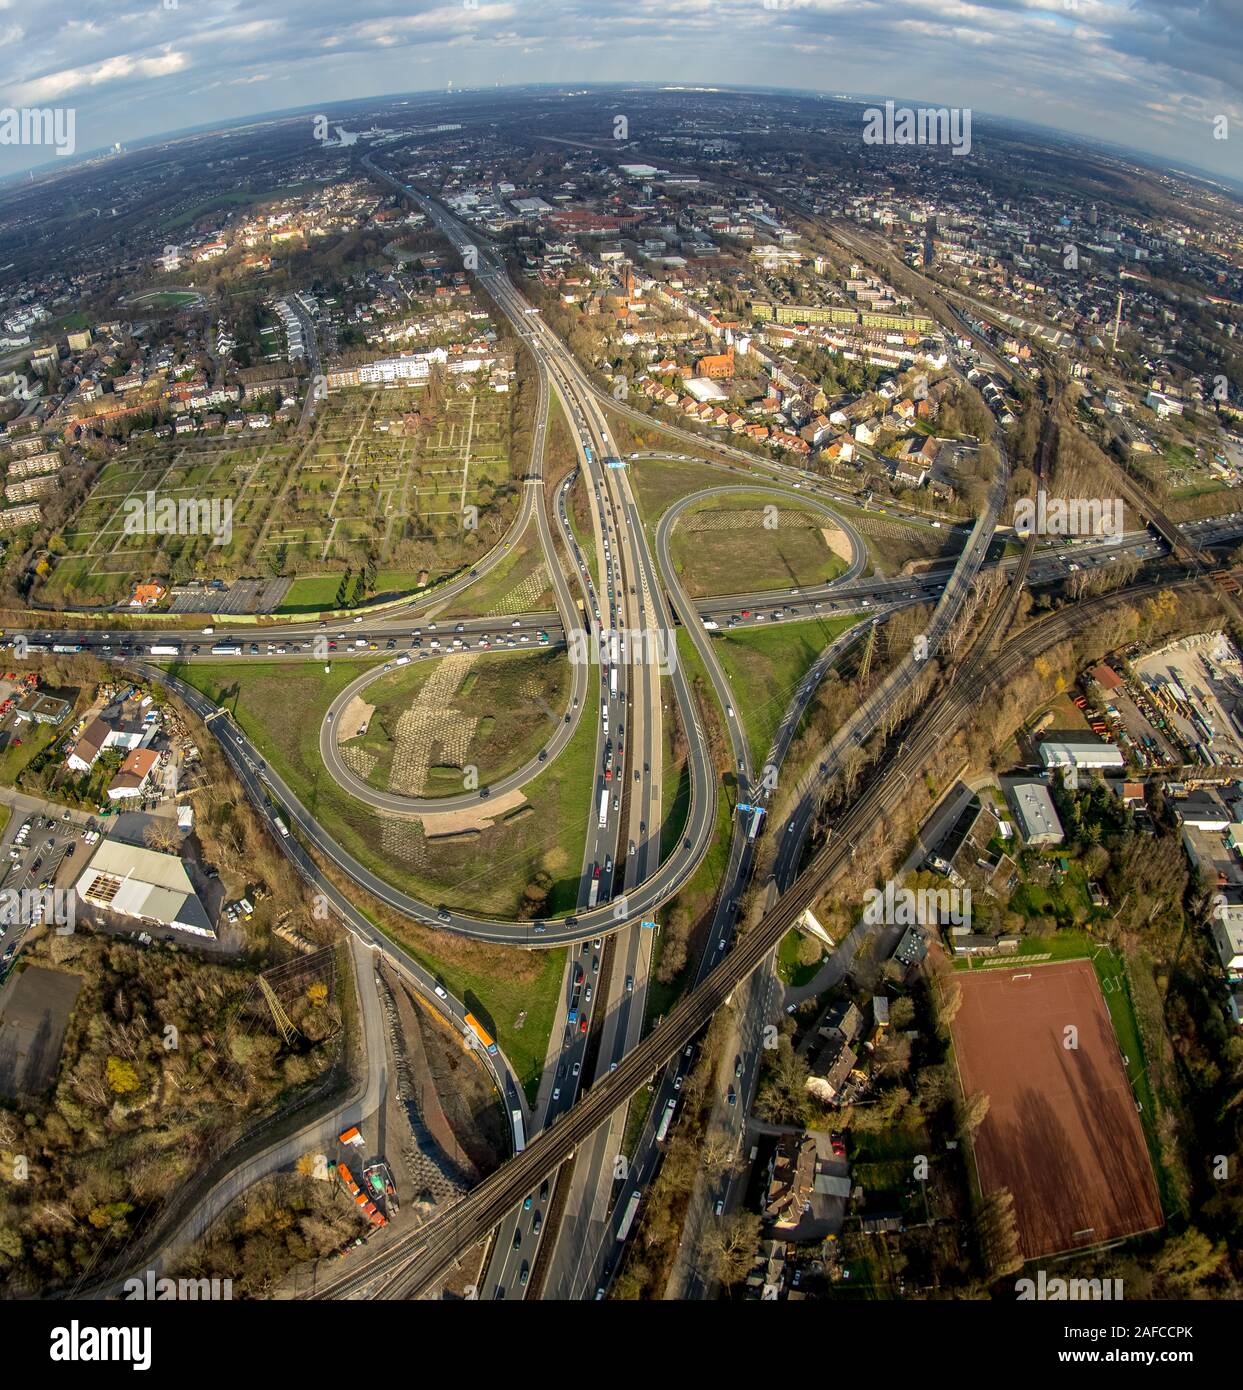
(210, 65)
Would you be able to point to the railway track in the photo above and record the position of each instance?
(418, 1257)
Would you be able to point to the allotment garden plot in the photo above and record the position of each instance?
(383, 469)
(414, 486)
(95, 559)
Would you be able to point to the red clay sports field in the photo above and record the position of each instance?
(1062, 1131)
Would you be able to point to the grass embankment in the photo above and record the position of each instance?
(517, 583)
(764, 667)
(893, 542)
(675, 787)
(683, 917)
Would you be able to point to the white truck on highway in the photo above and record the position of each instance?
(632, 1206)
(604, 807)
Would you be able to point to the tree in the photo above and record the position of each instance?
(1187, 1260)
(122, 1076)
(998, 1234)
(161, 835)
(782, 1097)
(974, 1111)
(731, 1246)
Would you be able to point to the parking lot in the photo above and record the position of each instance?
(41, 851)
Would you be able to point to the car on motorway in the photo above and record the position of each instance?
(732, 1097)
(537, 1222)
(526, 1204)
(629, 984)
(444, 914)
(677, 1082)
(441, 992)
(576, 1069)
(517, 1239)
(543, 1190)
(737, 1067)
(556, 1093)
(582, 1024)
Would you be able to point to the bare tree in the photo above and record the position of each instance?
(731, 1246)
(162, 835)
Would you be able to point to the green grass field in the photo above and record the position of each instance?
(764, 667)
(659, 483)
(34, 739)
(749, 541)
(791, 969)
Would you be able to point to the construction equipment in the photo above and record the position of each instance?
(367, 1206)
(379, 1182)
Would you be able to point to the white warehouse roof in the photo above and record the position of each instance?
(1080, 752)
(146, 884)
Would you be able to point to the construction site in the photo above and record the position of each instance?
(1197, 685)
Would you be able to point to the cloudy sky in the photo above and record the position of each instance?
(1151, 74)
